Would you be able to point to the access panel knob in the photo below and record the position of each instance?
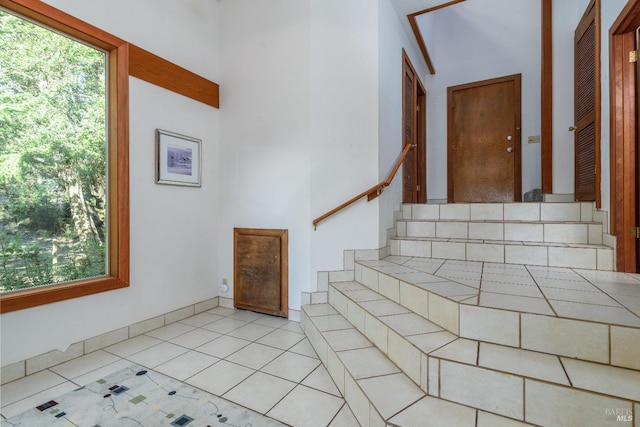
(509, 149)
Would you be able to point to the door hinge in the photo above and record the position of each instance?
(635, 232)
(633, 56)
(417, 188)
(417, 108)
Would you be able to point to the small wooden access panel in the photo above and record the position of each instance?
(261, 278)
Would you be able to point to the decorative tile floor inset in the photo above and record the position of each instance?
(142, 397)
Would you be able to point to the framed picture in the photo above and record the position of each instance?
(177, 159)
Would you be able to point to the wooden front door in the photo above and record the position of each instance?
(587, 106)
(261, 270)
(414, 170)
(484, 141)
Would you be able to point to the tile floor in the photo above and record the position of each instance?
(599, 296)
(262, 362)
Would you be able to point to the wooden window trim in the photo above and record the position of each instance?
(118, 153)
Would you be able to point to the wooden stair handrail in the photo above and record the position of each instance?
(372, 192)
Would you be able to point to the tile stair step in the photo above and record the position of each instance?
(437, 299)
(494, 378)
(376, 390)
(548, 254)
(563, 211)
(512, 231)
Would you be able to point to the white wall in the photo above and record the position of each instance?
(343, 127)
(173, 229)
(473, 41)
(392, 39)
(264, 131)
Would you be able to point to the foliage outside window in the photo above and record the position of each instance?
(52, 157)
(64, 158)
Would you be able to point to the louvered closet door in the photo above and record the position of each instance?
(586, 107)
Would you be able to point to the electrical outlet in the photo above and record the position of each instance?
(224, 287)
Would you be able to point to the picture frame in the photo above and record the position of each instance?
(178, 159)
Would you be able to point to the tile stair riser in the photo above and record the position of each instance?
(534, 232)
(578, 339)
(558, 212)
(362, 408)
(594, 258)
(452, 373)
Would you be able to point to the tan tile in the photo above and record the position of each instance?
(389, 287)
(201, 319)
(599, 313)
(438, 412)
(522, 211)
(179, 314)
(254, 355)
(306, 406)
(486, 419)
(432, 341)
(458, 211)
(461, 350)
(433, 369)
(625, 347)
(448, 250)
(552, 405)
(87, 363)
(366, 362)
(410, 324)
(383, 308)
(415, 299)
(12, 372)
(251, 332)
(54, 357)
(259, 392)
(522, 362)
(358, 401)
(415, 248)
(346, 339)
(281, 339)
(338, 300)
(530, 255)
(486, 230)
(28, 386)
(157, 355)
(356, 315)
(320, 379)
(560, 212)
(336, 370)
(104, 340)
(420, 229)
(223, 346)
(146, 326)
(132, 345)
(524, 232)
(195, 338)
(319, 310)
(186, 365)
(481, 323)
(444, 313)
(377, 332)
(369, 278)
(291, 366)
(305, 348)
(618, 382)
(331, 323)
(572, 257)
(389, 394)
(571, 338)
(515, 303)
(220, 377)
(405, 355)
(468, 385)
(425, 211)
(485, 252)
(344, 418)
(452, 230)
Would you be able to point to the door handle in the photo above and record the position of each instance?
(573, 128)
(509, 149)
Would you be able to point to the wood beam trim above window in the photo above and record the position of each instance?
(160, 72)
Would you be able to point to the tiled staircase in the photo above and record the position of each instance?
(545, 234)
(412, 340)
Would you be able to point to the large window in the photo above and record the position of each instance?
(63, 157)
